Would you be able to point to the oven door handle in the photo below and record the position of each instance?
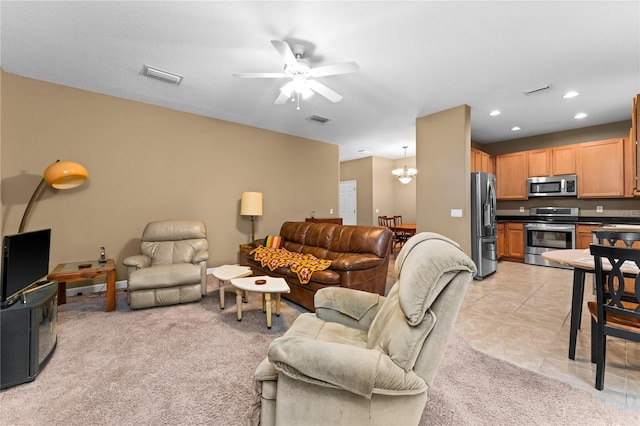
(549, 227)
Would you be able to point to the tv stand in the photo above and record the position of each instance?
(28, 335)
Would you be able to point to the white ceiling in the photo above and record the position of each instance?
(416, 58)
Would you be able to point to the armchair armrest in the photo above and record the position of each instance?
(138, 261)
(352, 368)
(200, 256)
(353, 308)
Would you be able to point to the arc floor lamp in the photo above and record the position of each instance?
(59, 175)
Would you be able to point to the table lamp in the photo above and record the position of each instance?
(251, 205)
(60, 175)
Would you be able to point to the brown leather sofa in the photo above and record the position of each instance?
(359, 258)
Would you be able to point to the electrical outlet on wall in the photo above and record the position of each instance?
(599, 209)
(330, 211)
(521, 209)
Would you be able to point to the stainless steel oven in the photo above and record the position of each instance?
(551, 229)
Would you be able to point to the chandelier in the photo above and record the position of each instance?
(405, 174)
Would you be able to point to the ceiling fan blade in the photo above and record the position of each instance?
(259, 75)
(343, 68)
(324, 91)
(285, 51)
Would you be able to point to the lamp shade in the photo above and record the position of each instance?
(65, 175)
(251, 204)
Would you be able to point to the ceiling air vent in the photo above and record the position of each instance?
(317, 119)
(538, 90)
(162, 75)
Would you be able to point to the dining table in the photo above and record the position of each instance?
(582, 263)
(406, 228)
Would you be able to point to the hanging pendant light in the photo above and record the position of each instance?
(405, 174)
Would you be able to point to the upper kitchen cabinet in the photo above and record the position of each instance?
(560, 160)
(511, 176)
(632, 153)
(539, 162)
(482, 162)
(601, 169)
(563, 160)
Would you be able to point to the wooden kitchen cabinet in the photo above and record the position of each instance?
(539, 162)
(601, 169)
(632, 152)
(563, 160)
(584, 235)
(481, 162)
(514, 241)
(501, 240)
(511, 176)
(559, 160)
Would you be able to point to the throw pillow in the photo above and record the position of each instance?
(273, 241)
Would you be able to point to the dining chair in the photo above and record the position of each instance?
(401, 236)
(611, 238)
(615, 312)
(614, 238)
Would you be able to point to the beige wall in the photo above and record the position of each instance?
(619, 129)
(383, 189)
(149, 163)
(361, 171)
(443, 147)
(379, 193)
(404, 196)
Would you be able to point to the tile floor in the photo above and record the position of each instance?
(521, 314)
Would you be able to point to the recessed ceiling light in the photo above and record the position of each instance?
(494, 113)
(580, 115)
(515, 128)
(570, 95)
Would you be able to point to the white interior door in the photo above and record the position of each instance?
(348, 198)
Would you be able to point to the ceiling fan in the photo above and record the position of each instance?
(302, 76)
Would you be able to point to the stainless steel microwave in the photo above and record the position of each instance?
(553, 186)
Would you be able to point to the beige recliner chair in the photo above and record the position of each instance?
(363, 359)
(172, 266)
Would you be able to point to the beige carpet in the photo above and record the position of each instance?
(192, 364)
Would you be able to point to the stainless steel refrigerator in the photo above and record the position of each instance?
(484, 250)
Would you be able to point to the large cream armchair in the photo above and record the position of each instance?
(362, 358)
(172, 266)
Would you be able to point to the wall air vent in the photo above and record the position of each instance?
(161, 75)
(317, 119)
(537, 91)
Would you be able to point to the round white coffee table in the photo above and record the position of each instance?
(272, 285)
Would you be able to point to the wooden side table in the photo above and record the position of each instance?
(71, 271)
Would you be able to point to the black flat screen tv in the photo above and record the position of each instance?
(25, 260)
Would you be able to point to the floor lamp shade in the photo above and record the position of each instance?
(251, 205)
(60, 175)
(65, 174)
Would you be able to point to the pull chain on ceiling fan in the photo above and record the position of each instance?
(302, 75)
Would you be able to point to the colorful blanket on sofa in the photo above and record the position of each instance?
(302, 264)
